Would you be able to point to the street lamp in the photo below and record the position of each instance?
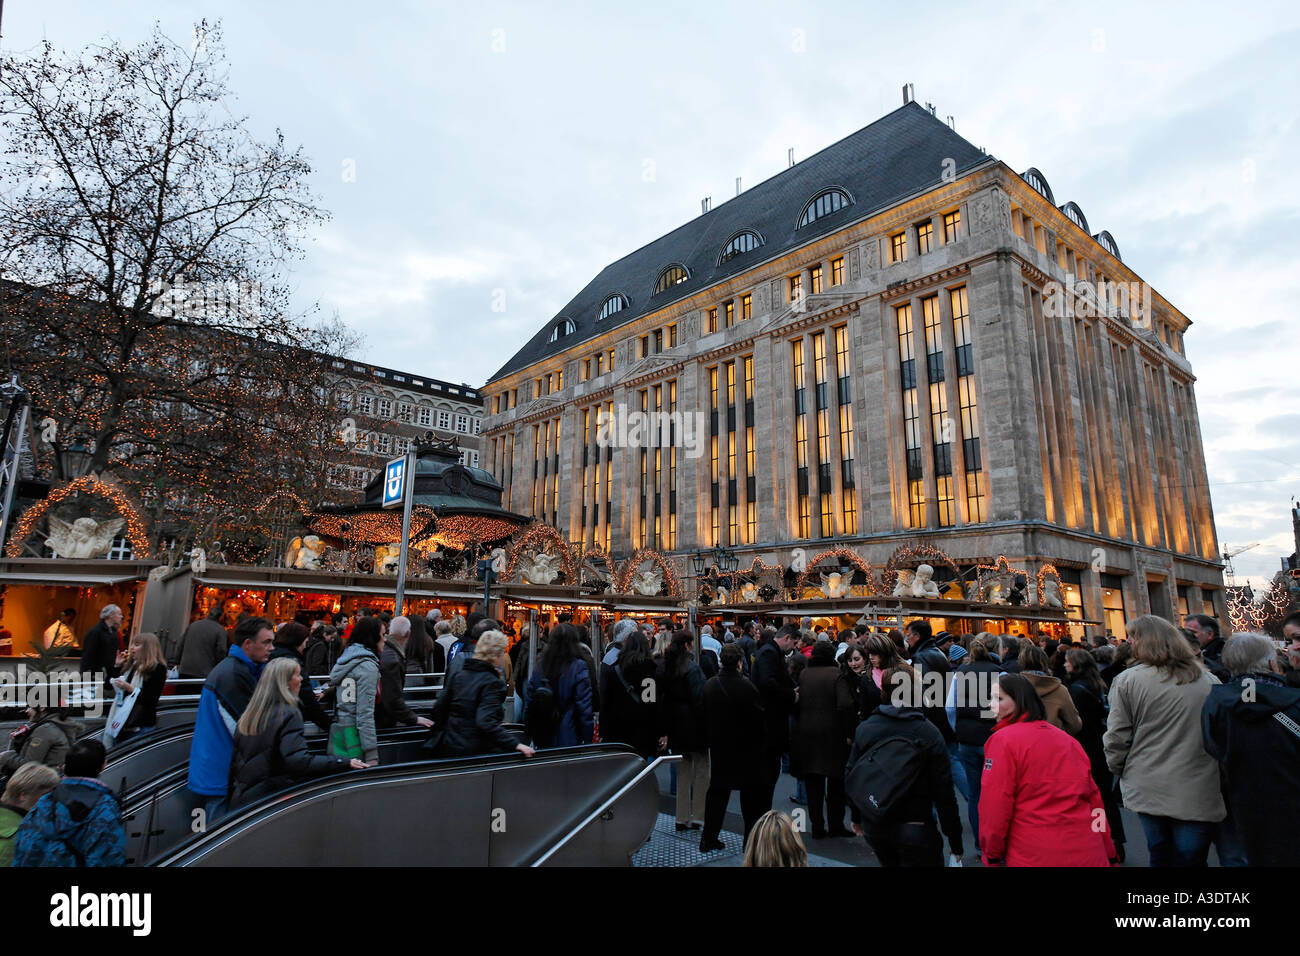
(75, 460)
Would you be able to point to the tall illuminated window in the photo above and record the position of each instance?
(642, 527)
(911, 419)
(672, 468)
(822, 398)
(555, 478)
(800, 436)
(837, 271)
(712, 323)
(751, 509)
(844, 395)
(970, 423)
(924, 237)
(598, 486)
(941, 426)
(898, 247)
(730, 316)
(537, 464)
(713, 455)
(732, 498)
(609, 479)
(586, 456)
(816, 275)
(657, 473)
(951, 225)
(746, 308)
(796, 287)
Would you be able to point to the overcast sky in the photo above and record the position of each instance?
(521, 147)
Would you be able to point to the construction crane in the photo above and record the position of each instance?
(1227, 560)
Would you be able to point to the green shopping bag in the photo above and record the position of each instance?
(345, 742)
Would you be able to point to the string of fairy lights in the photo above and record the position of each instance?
(92, 485)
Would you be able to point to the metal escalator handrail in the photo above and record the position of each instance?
(271, 804)
(609, 802)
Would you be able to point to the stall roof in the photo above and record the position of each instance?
(68, 572)
(56, 579)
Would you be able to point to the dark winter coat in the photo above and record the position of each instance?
(826, 721)
(393, 710)
(78, 823)
(1092, 709)
(776, 693)
(468, 713)
(320, 655)
(927, 657)
(933, 789)
(276, 758)
(1212, 654)
(144, 712)
(682, 709)
(973, 682)
(734, 729)
(99, 650)
(203, 647)
(628, 717)
(575, 720)
(1256, 739)
(311, 707)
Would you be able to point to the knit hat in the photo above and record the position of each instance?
(623, 628)
(956, 653)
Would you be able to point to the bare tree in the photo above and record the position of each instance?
(145, 237)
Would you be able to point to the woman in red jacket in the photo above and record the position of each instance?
(1039, 805)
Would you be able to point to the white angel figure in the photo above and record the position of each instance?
(539, 568)
(647, 582)
(904, 586)
(84, 537)
(1051, 596)
(923, 584)
(836, 585)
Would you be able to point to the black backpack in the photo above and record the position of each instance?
(883, 775)
(540, 717)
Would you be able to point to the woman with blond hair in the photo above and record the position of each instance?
(270, 752)
(775, 842)
(146, 671)
(1153, 744)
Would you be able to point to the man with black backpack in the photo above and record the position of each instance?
(898, 775)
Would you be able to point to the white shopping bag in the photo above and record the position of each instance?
(118, 715)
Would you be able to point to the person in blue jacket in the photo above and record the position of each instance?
(225, 694)
(78, 823)
(570, 681)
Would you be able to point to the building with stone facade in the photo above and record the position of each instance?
(382, 411)
(896, 341)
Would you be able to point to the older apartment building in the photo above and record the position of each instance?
(898, 340)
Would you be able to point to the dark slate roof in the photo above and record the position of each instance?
(900, 154)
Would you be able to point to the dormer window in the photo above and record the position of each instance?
(672, 275)
(562, 328)
(615, 303)
(740, 243)
(823, 204)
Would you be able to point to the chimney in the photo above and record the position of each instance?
(930, 107)
(950, 123)
(737, 185)
(909, 93)
(789, 157)
(705, 203)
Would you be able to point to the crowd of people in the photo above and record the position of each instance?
(1044, 740)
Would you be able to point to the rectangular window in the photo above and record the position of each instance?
(898, 247)
(800, 436)
(729, 314)
(586, 370)
(672, 336)
(816, 283)
(951, 225)
(425, 416)
(514, 398)
(911, 419)
(712, 324)
(645, 346)
(559, 380)
(385, 408)
(968, 407)
(796, 288)
(844, 394)
(609, 360)
(658, 341)
(405, 413)
(837, 271)
(599, 361)
(462, 424)
(444, 420)
(924, 237)
(746, 308)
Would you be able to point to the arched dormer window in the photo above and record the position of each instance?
(823, 204)
(1039, 182)
(562, 328)
(671, 275)
(1108, 243)
(1076, 215)
(741, 242)
(615, 303)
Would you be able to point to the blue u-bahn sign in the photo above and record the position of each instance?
(394, 483)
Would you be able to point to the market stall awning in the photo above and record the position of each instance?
(56, 579)
(72, 572)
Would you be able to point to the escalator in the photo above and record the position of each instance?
(590, 805)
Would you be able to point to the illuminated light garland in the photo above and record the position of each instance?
(598, 553)
(905, 554)
(373, 526)
(845, 556)
(623, 579)
(136, 531)
(1244, 614)
(1049, 568)
(462, 532)
(536, 537)
(1000, 566)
